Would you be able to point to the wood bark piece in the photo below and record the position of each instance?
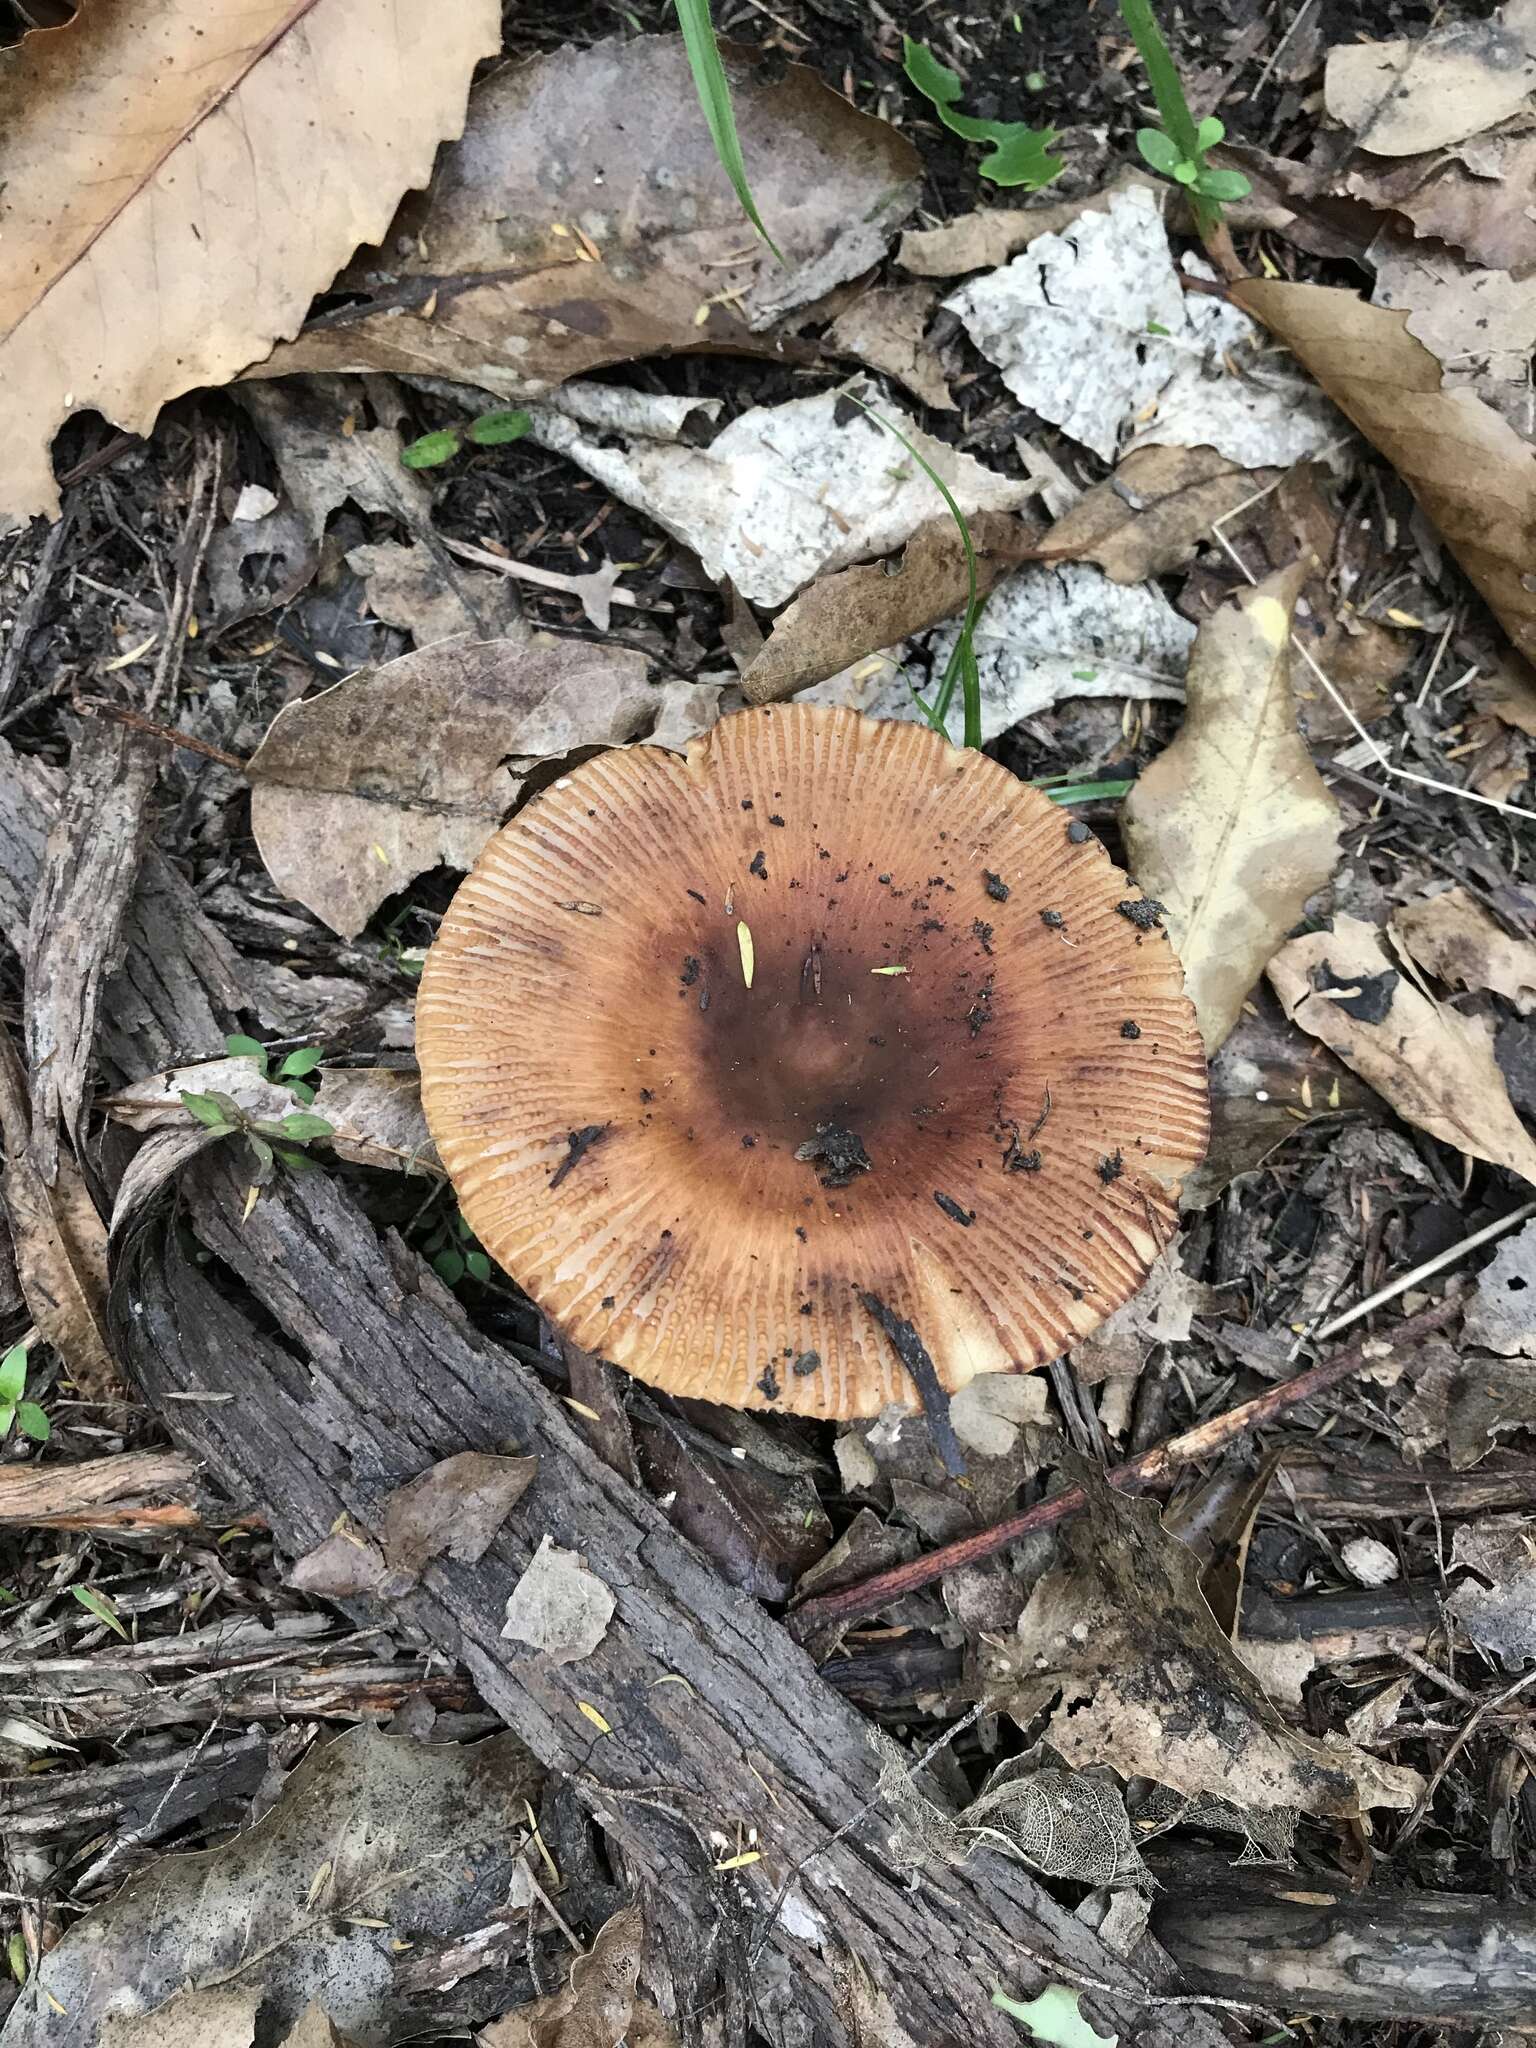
(34, 1495)
(377, 1377)
(177, 990)
(1306, 1944)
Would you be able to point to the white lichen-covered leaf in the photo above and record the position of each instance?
(787, 492)
(1093, 328)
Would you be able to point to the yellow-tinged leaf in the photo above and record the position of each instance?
(748, 954)
(1231, 827)
(740, 1862)
(594, 1717)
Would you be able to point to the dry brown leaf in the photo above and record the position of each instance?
(407, 588)
(982, 241)
(59, 1242)
(180, 182)
(1231, 827)
(1456, 940)
(404, 768)
(857, 611)
(1472, 473)
(221, 2017)
(316, 2029)
(598, 2008)
(1406, 96)
(1463, 315)
(1151, 515)
(1433, 1065)
(519, 269)
(1509, 695)
(1142, 1678)
(1487, 216)
(455, 1507)
(886, 329)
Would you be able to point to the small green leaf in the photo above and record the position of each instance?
(495, 429)
(304, 1061)
(1020, 155)
(1216, 184)
(7, 1418)
(1157, 149)
(449, 1267)
(96, 1603)
(261, 1152)
(297, 1161)
(205, 1109)
(1209, 133)
(16, 1956)
(462, 1224)
(1053, 2018)
(301, 1091)
(227, 1105)
(33, 1422)
(240, 1048)
(431, 451)
(1154, 327)
(300, 1127)
(13, 1373)
(1185, 171)
(478, 1266)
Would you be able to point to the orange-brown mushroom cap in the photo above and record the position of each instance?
(681, 996)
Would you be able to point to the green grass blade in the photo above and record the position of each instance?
(714, 92)
(961, 666)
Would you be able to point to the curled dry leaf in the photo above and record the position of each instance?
(1471, 472)
(1408, 96)
(1487, 216)
(843, 617)
(1433, 1065)
(1454, 938)
(1095, 331)
(518, 269)
(178, 188)
(402, 768)
(559, 1607)
(1151, 515)
(786, 492)
(1123, 1647)
(369, 1826)
(1231, 827)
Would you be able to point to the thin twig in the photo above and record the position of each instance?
(123, 714)
(1427, 1271)
(1469, 1728)
(196, 535)
(30, 609)
(1151, 1468)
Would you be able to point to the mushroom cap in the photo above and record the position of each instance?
(679, 993)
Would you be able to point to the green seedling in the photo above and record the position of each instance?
(270, 1141)
(486, 430)
(714, 91)
(454, 1251)
(99, 1605)
(291, 1070)
(1019, 155)
(16, 1413)
(1178, 149)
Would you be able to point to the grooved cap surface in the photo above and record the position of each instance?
(938, 976)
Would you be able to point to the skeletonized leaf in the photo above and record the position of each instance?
(368, 1827)
(180, 182)
(402, 768)
(558, 1606)
(1472, 473)
(1231, 827)
(1435, 1066)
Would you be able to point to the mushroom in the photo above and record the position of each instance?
(815, 1064)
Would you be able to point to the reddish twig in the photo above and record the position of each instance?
(1152, 1467)
(123, 714)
